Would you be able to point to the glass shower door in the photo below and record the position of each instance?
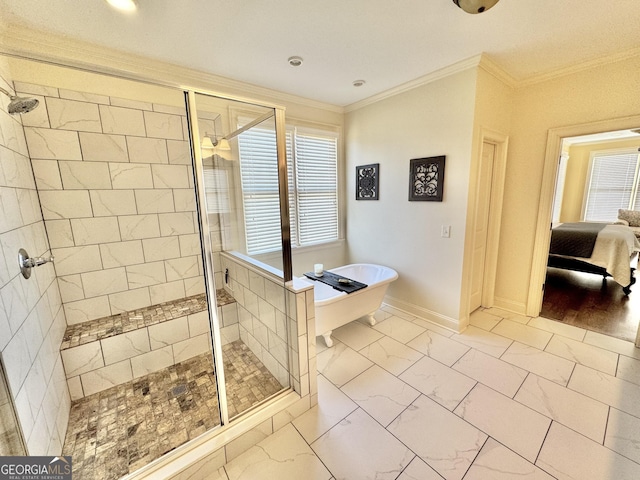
(238, 173)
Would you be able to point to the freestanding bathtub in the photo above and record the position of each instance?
(335, 309)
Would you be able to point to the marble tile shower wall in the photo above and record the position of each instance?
(277, 324)
(32, 320)
(116, 188)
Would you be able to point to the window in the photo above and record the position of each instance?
(312, 164)
(613, 184)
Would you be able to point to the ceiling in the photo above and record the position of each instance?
(386, 43)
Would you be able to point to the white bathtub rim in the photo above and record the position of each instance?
(329, 295)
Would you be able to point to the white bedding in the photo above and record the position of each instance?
(614, 246)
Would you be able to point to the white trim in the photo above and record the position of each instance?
(492, 68)
(545, 207)
(425, 314)
(462, 66)
(498, 177)
(511, 306)
(579, 67)
(23, 42)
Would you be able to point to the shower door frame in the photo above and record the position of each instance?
(205, 240)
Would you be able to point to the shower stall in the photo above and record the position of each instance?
(166, 326)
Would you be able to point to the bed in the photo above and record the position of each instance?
(609, 250)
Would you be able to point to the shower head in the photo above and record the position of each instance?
(20, 104)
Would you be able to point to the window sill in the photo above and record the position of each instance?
(319, 246)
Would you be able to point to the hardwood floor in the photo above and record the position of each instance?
(586, 300)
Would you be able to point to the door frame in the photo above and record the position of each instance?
(496, 185)
(547, 193)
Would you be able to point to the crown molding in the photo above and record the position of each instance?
(24, 42)
(492, 68)
(579, 67)
(418, 82)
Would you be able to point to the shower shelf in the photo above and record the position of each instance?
(101, 328)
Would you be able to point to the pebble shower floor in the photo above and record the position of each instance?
(117, 431)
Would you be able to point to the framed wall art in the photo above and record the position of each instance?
(367, 181)
(426, 179)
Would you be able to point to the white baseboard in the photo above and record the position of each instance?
(426, 314)
(510, 306)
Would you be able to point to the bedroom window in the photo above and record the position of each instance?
(613, 184)
(312, 166)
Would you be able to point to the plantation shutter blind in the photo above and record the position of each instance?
(316, 162)
(259, 174)
(312, 180)
(612, 185)
(216, 190)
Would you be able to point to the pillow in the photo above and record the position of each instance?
(631, 216)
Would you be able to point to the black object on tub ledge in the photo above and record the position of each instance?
(338, 282)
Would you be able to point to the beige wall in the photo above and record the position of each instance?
(434, 119)
(577, 173)
(493, 111)
(605, 92)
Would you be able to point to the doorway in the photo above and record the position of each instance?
(487, 214)
(582, 299)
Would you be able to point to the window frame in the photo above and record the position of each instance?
(302, 128)
(634, 201)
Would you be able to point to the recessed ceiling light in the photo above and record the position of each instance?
(359, 83)
(295, 61)
(124, 5)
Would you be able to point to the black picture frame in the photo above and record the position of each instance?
(426, 179)
(367, 181)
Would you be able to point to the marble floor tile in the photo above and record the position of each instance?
(282, 455)
(341, 363)
(584, 354)
(492, 372)
(356, 335)
(380, 394)
(398, 313)
(514, 317)
(511, 423)
(612, 344)
(487, 342)
(438, 382)
(359, 448)
(444, 441)
(572, 409)
(433, 327)
(333, 406)
(391, 355)
(607, 389)
(497, 462)
(399, 329)
(629, 369)
(558, 328)
(438, 347)
(483, 319)
(531, 336)
(541, 363)
(623, 434)
(567, 455)
(380, 316)
(418, 470)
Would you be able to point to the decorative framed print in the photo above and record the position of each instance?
(367, 181)
(426, 179)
